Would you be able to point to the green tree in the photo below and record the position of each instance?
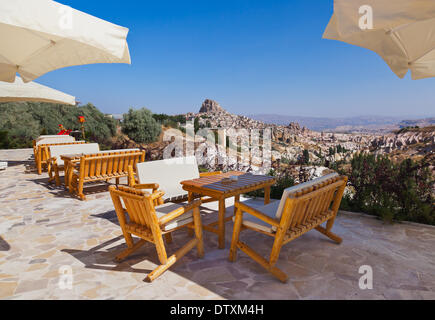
(140, 126)
(306, 157)
(196, 125)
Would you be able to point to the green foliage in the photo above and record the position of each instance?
(305, 157)
(170, 121)
(196, 125)
(283, 182)
(25, 121)
(392, 191)
(4, 141)
(140, 126)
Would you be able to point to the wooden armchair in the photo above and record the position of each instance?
(146, 217)
(301, 209)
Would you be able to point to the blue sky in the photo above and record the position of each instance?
(251, 56)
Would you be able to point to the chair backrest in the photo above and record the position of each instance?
(292, 190)
(54, 139)
(106, 164)
(168, 174)
(314, 203)
(57, 151)
(119, 150)
(139, 208)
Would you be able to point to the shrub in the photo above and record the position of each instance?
(140, 126)
(283, 182)
(391, 191)
(25, 121)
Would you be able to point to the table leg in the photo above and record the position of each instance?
(66, 167)
(70, 174)
(190, 198)
(267, 195)
(236, 199)
(222, 210)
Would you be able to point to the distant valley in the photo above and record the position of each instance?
(361, 124)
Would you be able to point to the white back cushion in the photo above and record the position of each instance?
(168, 174)
(287, 192)
(57, 139)
(45, 137)
(88, 148)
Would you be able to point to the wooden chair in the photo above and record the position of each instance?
(55, 164)
(168, 174)
(301, 209)
(102, 167)
(40, 151)
(144, 215)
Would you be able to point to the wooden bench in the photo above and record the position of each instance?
(55, 163)
(103, 167)
(40, 149)
(302, 208)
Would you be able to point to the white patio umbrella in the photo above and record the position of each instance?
(402, 32)
(32, 91)
(38, 36)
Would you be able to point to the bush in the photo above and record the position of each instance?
(140, 126)
(283, 182)
(25, 121)
(391, 191)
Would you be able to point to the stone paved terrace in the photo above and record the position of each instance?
(42, 229)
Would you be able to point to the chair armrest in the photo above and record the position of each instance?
(157, 195)
(176, 213)
(257, 214)
(153, 186)
(208, 174)
(52, 160)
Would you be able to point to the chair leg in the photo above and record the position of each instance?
(263, 262)
(80, 190)
(329, 234)
(124, 254)
(171, 261)
(57, 177)
(236, 234)
(198, 231)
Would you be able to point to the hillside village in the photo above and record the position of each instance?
(292, 144)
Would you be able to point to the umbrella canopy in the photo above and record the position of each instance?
(402, 32)
(20, 91)
(39, 36)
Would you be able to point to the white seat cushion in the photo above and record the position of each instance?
(182, 220)
(168, 174)
(251, 221)
(57, 151)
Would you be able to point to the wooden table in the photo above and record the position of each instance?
(212, 186)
